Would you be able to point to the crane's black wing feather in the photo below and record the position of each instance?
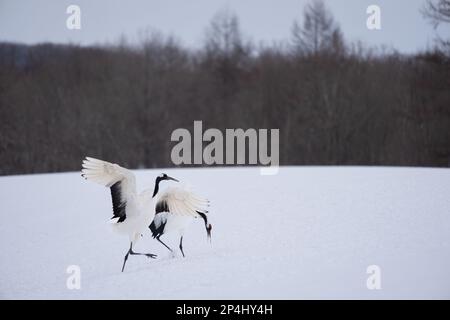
(119, 205)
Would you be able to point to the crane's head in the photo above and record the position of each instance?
(160, 178)
(208, 231)
(164, 176)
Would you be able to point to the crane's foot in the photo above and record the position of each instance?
(148, 255)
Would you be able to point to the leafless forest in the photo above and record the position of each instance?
(335, 102)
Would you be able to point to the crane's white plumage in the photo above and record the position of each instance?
(132, 212)
(181, 201)
(107, 174)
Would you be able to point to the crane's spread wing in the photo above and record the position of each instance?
(181, 201)
(120, 180)
(178, 201)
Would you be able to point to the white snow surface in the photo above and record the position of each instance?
(305, 233)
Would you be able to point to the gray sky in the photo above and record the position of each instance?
(102, 21)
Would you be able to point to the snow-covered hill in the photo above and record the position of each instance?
(308, 232)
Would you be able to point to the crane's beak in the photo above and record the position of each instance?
(170, 178)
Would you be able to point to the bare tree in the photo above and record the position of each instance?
(224, 34)
(226, 54)
(438, 12)
(319, 31)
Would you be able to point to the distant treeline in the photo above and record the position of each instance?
(335, 103)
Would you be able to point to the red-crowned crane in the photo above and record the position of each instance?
(132, 212)
(162, 212)
(175, 209)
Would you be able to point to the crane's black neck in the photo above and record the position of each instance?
(155, 191)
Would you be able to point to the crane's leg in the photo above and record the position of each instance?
(181, 245)
(165, 245)
(126, 256)
(130, 251)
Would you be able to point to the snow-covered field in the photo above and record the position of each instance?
(308, 232)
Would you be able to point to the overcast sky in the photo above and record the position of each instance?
(102, 21)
